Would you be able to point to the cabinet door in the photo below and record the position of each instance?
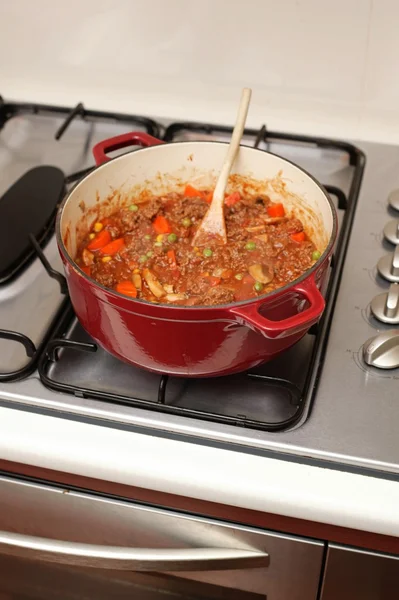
(353, 574)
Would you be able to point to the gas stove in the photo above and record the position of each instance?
(329, 399)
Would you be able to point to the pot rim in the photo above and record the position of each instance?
(262, 298)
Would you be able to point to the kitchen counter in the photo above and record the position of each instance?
(201, 472)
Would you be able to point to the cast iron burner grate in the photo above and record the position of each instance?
(273, 397)
(29, 203)
(33, 351)
(8, 110)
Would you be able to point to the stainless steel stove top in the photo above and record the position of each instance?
(352, 419)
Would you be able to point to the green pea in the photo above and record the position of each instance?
(150, 253)
(207, 253)
(239, 276)
(158, 244)
(186, 222)
(172, 237)
(143, 258)
(258, 287)
(250, 246)
(316, 255)
(133, 208)
(147, 237)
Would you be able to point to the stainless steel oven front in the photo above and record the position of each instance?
(67, 545)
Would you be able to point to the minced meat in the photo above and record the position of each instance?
(145, 251)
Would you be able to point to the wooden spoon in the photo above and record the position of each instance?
(213, 227)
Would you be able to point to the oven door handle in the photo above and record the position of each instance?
(131, 559)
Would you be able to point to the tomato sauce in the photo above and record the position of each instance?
(145, 250)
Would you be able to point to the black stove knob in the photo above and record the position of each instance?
(393, 199)
(382, 350)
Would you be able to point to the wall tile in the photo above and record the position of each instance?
(314, 65)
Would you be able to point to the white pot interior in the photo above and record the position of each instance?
(168, 167)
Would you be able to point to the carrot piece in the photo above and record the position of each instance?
(86, 269)
(245, 288)
(232, 199)
(276, 210)
(113, 247)
(227, 273)
(192, 192)
(127, 288)
(213, 281)
(171, 254)
(298, 237)
(102, 239)
(161, 225)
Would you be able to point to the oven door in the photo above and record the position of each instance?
(65, 545)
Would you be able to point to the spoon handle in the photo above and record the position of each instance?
(213, 225)
(234, 143)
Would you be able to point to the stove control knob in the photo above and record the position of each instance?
(388, 266)
(385, 307)
(393, 199)
(391, 231)
(382, 351)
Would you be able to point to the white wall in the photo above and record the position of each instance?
(329, 66)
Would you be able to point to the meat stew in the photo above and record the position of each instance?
(145, 250)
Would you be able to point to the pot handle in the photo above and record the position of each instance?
(133, 138)
(250, 315)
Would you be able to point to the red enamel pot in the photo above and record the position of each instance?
(199, 341)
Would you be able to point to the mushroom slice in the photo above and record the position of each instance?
(261, 272)
(153, 283)
(87, 257)
(255, 228)
(137, 282)
(174, 297)
(262, 238)
(271, 220)
(222, 272)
